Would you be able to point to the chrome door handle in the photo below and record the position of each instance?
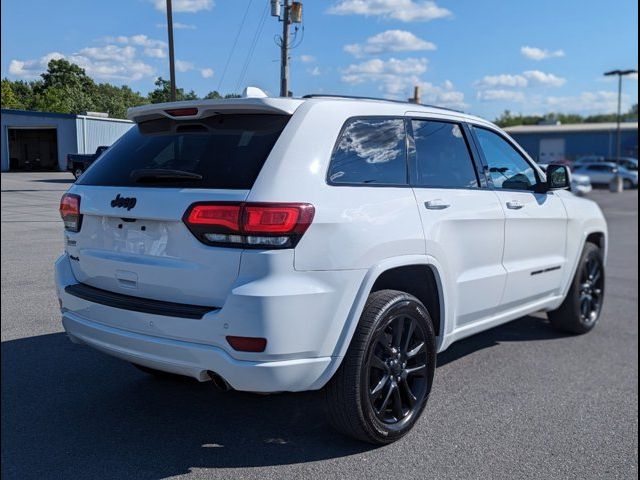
(436, 205)
(514, 205)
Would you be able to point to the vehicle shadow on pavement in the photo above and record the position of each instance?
(71, 412)
(524, 329)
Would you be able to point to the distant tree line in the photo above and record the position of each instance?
(66, 88)
(508, 119)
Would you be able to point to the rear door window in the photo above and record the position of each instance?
(370, 151)
(223, 151)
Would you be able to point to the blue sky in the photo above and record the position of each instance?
(479, 56)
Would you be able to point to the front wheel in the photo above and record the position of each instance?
(580, 311)
(383, 383)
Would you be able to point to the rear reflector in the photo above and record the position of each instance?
(70, 212)
(249, 225)
(182, 112)
(247, 344)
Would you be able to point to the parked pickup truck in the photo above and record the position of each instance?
(77, 163)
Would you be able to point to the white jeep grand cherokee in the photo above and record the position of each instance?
(278, 244)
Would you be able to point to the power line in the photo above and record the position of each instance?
(253, 45)
(235, 42)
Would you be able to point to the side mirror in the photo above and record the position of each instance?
(558, 177)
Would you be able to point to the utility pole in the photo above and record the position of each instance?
(172, 66)
(620, 74)
(292, 14)
(284, 52)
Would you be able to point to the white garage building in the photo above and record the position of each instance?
(42, 140)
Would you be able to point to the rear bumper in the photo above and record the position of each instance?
(301, 314)
(196, 360)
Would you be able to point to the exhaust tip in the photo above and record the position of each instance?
(219, 383)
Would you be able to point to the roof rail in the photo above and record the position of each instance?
(355, 97)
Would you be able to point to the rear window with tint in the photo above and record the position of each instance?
(370, 151)
(223, 151)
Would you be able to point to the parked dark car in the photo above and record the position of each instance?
(77, 163)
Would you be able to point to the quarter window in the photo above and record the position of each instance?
(370, 151)
(442, 155)
(508, 169)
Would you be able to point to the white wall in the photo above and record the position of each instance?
(64, 125)
(94, 132)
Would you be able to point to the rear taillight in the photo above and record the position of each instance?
(249, 225)
(70, 212)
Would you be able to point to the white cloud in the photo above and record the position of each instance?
(178, 26)
(307, 58)
(500, 95)
(107, 69)
(377, 66)
(314, 72)
(526, 79)
(206, 72)
(397, 78)
(538, 54)
(116, 60)
(503, 80)
(393, 76)
(403, 10)
(587, 102)
(155, 52)
(183, 66)
(188, 6)
(151, 47)
(536, 77)
(109, 52)
(445, 95)
(390, 41)
(32, 68)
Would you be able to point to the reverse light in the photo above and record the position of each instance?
(249, 225)
(70, 212)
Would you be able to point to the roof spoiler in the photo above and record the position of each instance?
(195, 109)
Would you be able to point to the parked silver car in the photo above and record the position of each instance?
(602, 172)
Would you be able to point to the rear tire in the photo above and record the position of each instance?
(627, 184)
(384, 381)
(581, 309)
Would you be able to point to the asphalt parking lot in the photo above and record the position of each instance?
(517, 401)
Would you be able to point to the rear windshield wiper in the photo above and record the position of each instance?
(162, 174)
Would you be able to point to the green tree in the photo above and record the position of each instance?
(62, 73)
(213, 95)
(9, 98)
(24, 93)
(115, 100)
(162, 93)
(65, 88)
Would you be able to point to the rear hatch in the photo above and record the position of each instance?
(132, 238)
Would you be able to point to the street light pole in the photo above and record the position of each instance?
(172, 67)
(620, 74)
